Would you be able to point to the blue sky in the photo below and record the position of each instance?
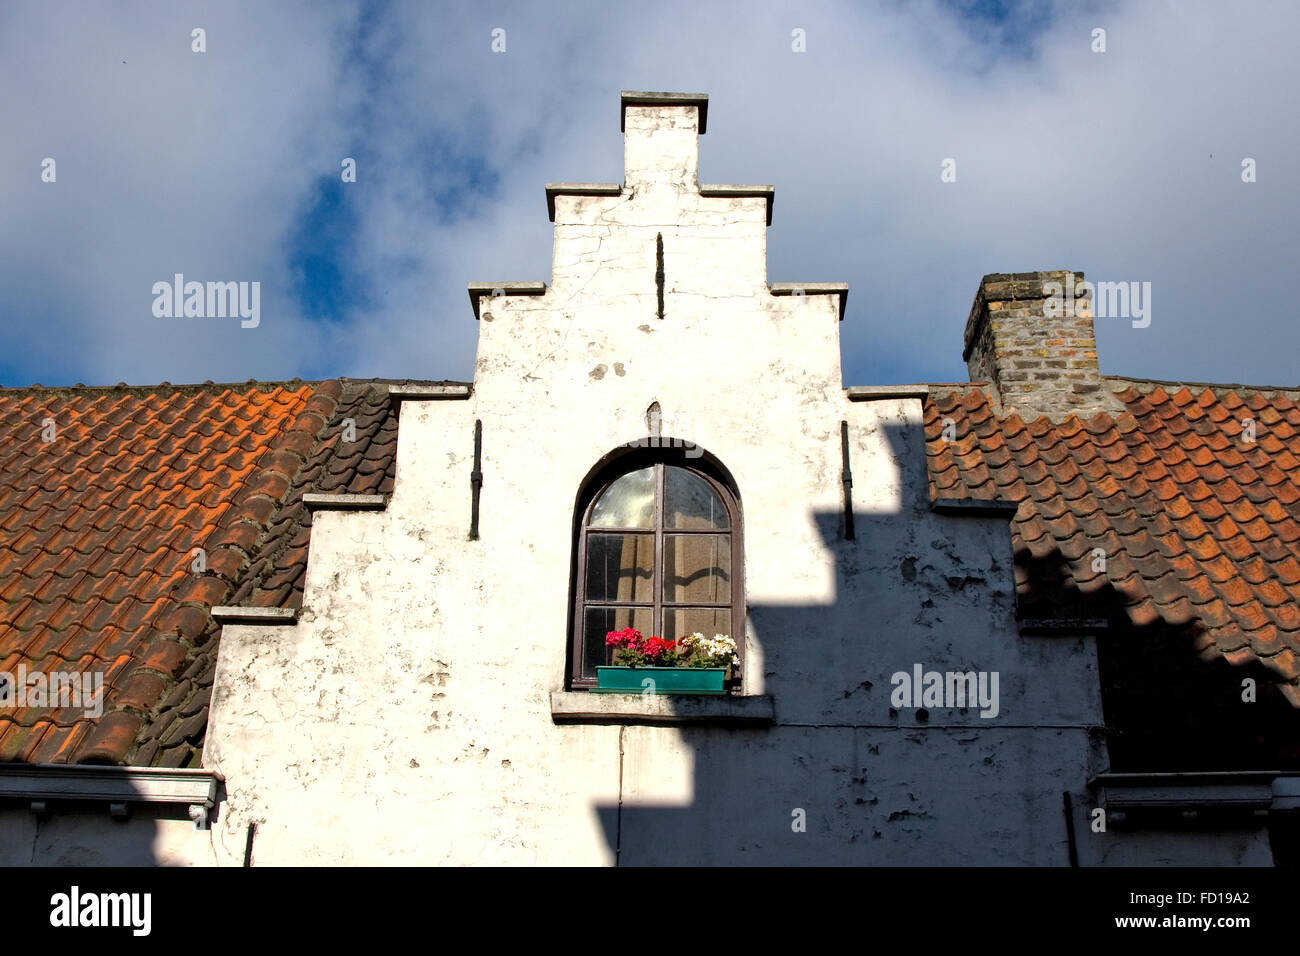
(225, 165)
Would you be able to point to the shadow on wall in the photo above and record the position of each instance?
(1168, 707)
(880, 785)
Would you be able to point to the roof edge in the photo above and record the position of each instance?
(195, 387)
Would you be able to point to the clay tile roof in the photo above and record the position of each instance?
(105, 495)
(1198, 523)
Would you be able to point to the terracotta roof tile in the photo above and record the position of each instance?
(273, 575)
(1288, 570)
(101, 525)
(1201, 526)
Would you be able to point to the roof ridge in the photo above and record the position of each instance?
(1147, 385)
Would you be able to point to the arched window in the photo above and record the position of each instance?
(658, 549)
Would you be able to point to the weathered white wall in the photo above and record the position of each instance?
(405, 718)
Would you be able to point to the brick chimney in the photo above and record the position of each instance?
(1040, 355)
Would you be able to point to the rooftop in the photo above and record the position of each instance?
(101, 526)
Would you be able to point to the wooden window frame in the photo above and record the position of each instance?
(595, 488)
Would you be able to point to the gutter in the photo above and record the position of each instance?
(117, 788)
(1261, 792)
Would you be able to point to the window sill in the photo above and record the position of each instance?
(580, 707)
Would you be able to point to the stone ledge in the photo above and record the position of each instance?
(319, 502)
(229, 614)
(417, 393)
(579, 707)
(578, 189)
(116, 787)
(479, 289)
(865, 393)
(1253, 790)
(742, 192)
(813, 288)
(642, 98)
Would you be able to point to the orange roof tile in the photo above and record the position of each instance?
(1205, 521)
(102, 524)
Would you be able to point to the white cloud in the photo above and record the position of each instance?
(1124, 164)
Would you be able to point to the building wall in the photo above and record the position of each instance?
(406, 716)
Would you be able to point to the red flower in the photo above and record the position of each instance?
(656, 647)
(629, 638)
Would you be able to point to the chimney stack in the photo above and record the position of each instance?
(1030, 336)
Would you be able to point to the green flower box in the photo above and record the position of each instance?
(667, 680)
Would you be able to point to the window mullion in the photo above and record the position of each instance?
(657, 621)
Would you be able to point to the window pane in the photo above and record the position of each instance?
(697, 567)
(628, 503)
(599, 621)
(678, 622)
(620, 567)
(690, 504)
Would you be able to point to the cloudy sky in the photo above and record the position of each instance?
(225, 165)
